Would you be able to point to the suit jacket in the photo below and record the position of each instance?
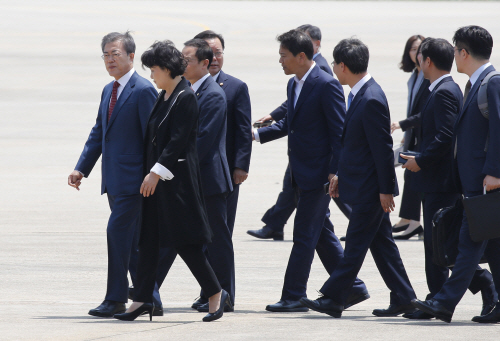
(171, 141)
(314, 128)
(120, 141)
(366, 166)
(411, 124)
(239, 122)
(280, 112)
(211, 144)
(472, 163)
(436, 131)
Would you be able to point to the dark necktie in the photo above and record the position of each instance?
(113, 99)
(349, 99)
(467, 89)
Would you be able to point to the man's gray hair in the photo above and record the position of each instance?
(125, 38)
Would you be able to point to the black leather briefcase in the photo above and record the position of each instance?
(483, 215)
(446, 225)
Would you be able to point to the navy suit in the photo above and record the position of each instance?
(238, 135)
(471, 164)
(277, 216)
(120, 142)
(314, 128)
(366, 169)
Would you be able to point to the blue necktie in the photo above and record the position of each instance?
(349, 99)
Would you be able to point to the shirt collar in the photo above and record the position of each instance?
(478, 73)
(436, 82)
(216, 76)
(355, 89)
(199, 82)
(297, 80)
(126, 77)
(317, 54)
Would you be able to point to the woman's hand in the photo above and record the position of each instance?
(149, 184)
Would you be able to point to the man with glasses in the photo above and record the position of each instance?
(118, 136)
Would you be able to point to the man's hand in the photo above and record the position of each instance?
(334, 185)
(491, 183)
(239, 175)
(75, 179)
(394, 126)
(265, 118)
(387, 202)
(149, 184)
(411, 164)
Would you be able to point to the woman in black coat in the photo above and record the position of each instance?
(173, 208)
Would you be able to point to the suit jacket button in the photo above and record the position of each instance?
(107, 140)
(293, 132)
(154, 144)
(289, 149)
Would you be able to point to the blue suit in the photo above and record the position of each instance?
(314, 128)
(277, 216)
(120, 142)
(366, 169)
(238, 135)
(471, 163)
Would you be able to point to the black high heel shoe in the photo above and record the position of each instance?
(397, 229)
(145, 307)
(224, 300)
(405, 236)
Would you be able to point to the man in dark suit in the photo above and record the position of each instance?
(476, 164)
(239, 130)
(432, 166)
(366, 180)
(313, 123)
(276, 217)
(118, 136)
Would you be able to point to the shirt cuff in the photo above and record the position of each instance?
(162, 171)
(80, 172)
(256, 135)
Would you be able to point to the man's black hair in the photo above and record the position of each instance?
(296, 42)
(440, 51)
(475, 40)
(313, 31)
(353, 53)
(209, 34)
(203, 50)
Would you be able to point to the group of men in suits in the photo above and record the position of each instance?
(224, 146)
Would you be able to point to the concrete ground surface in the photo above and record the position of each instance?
(53, 243)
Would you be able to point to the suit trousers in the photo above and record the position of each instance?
(232, 206)
(149, 254)
(410, 201)
(370, 228)
(437, 275)
(469, 255)
(122, 235)
(219, 252)
(276, 217)
(312, 231)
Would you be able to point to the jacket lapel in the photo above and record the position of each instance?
(222, 80)
(309, 84)
(290, 95)
(203, 87)
(355, 103)
(105, 105)
(127, 91)
(423, 87)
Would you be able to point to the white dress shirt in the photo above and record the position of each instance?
(299, 83)
(199, 82)
(478, 73)
(436, 82)
(355, 89)
(216, 76)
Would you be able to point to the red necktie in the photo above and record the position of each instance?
(113, 99)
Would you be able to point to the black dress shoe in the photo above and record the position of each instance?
(342, 239)
(396, 229)
(418, 315)
(108, 309)
(144, 308)
(394, 310)
(408, 234)
(356, 298)
(204, 308)
(490, 298)
(324, 305)
(224, 300)
(433, 308)
(200, 301)
(266, 233)
(492, 317)
(287, 306)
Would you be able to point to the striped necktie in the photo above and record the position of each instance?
(113, 99)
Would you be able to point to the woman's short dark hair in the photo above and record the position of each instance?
(296, 42)
(440, 51)
(407, 65)
(475, 40)
(203, 50)
(353, 53)
(164, 55)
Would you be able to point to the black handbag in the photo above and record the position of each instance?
(483, 215)
(446, 225)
